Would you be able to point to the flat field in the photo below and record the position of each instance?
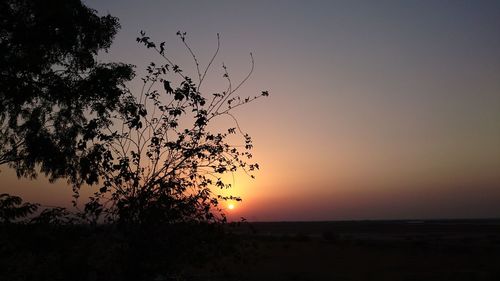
(452, 250)
(367, 250)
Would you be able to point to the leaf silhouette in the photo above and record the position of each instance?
(168, 88)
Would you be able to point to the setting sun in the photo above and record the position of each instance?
(230, 206)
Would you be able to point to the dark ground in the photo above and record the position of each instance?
(370, 250)
(358, 250)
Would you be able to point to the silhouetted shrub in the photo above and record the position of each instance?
(12, 208)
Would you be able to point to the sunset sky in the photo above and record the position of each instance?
(378, 109)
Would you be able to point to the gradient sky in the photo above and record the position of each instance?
(378, 109)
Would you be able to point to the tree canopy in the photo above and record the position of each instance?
(53, 91)
(152, 155)
(161, 161)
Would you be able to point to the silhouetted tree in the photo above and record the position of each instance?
(155, 158)
(54, 95)
(153, 155)
(12, 208)
(164, 160)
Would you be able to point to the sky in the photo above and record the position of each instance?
(378, 109)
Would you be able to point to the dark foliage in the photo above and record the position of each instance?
(53, 92)
(152, 156)
(161, 161)
(156, 162)
(59, 245)
(12, 208)
(80, 252)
